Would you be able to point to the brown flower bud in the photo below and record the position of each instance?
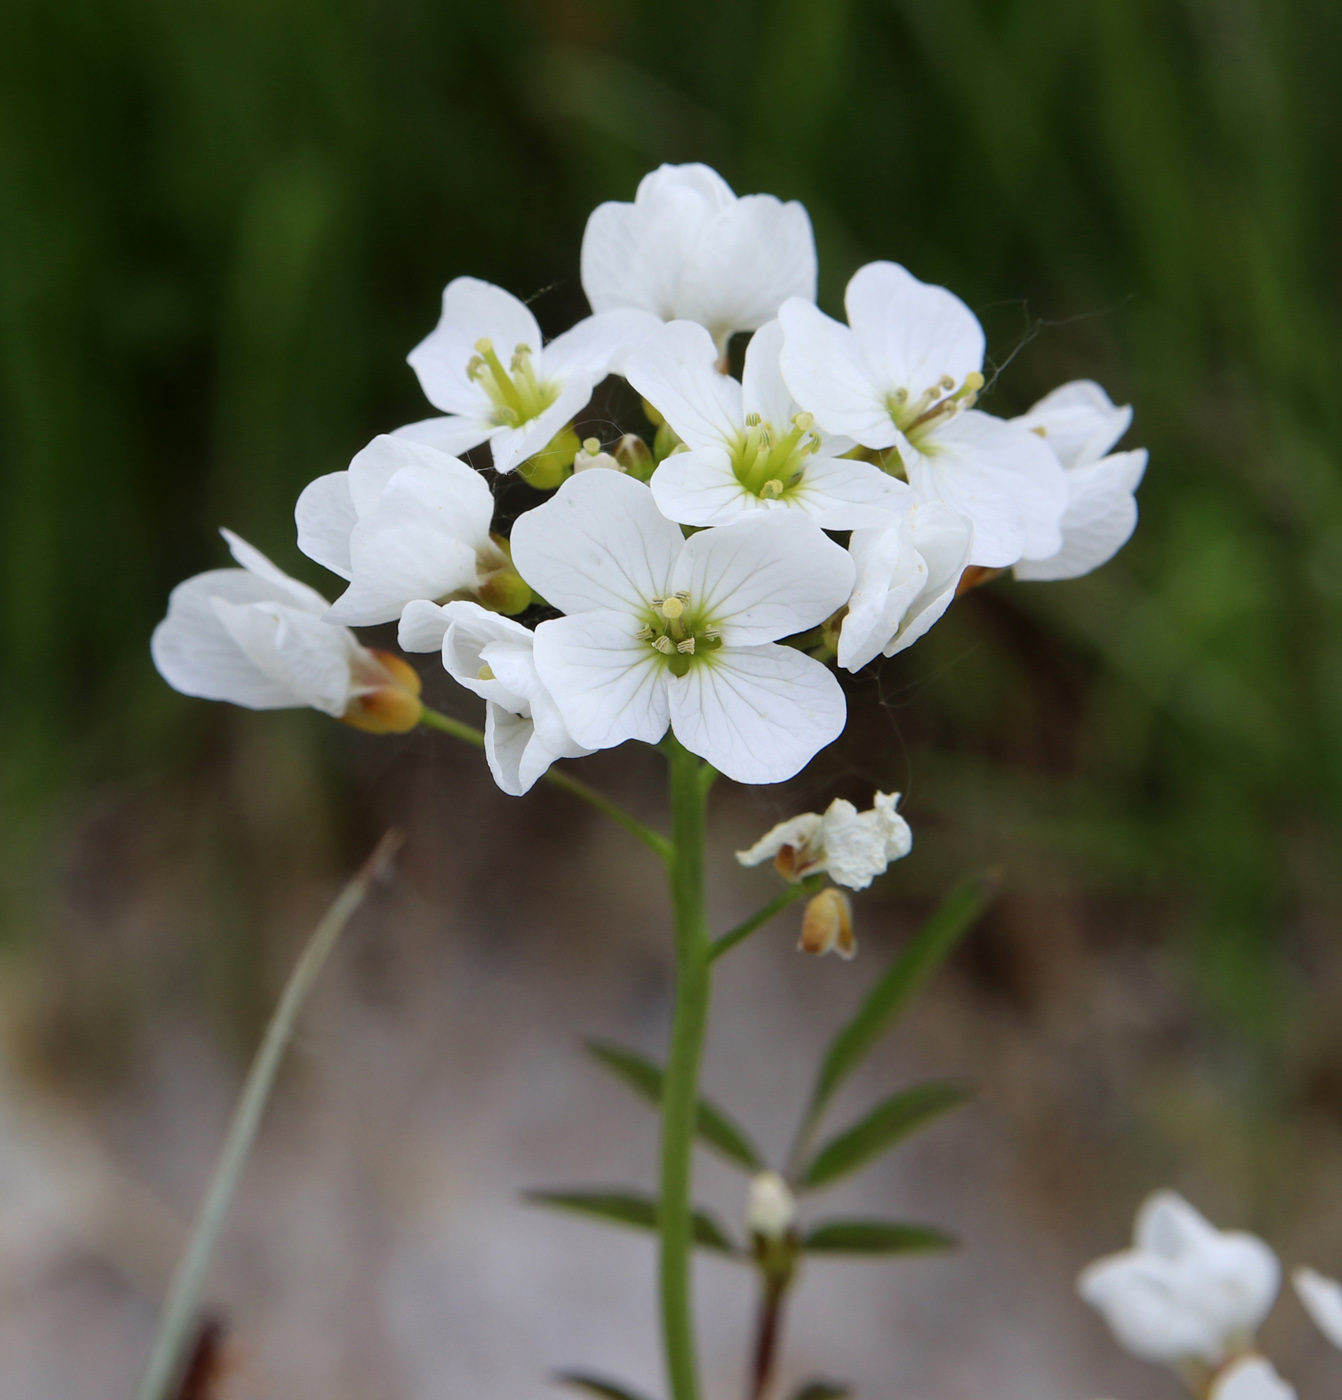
(827, 925)
(390, 702)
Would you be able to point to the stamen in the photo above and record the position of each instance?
(645, 633)
(753, 420)
(687, 646)
(665, 645)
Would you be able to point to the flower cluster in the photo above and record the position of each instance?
(705, 576)
(1191, 1297)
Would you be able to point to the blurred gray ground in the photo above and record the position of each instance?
(379, 1247)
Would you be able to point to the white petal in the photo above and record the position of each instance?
(797, 832)
(1099, 520)
(507, 737)
(839, 493)
(510, 447)
(283, 588)
(1003, 479)
(890, 575)
(910, 332)
(471, 632)
(598, 542)
(700, 488)
(944, 540)
(472, 310)
(451, 434)
(1078, 421)
(1142, 1299)
(765, 578)
(372, 468)
(326, 518)
(421, 541)
(296, 650)
(763, 389)
(609, 686)
(674, 370)
(598, 345)
(1322, 1298)
(854, 845)
(758, 714)
(1251, 1378)
(829, 378)
(422, 627)
(1168, 1227)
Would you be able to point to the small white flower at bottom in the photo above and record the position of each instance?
(771, 1208)
(1250, 1378)
(851, 847)
(1322, 1297)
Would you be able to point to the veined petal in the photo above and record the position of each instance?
(609, 685)
(472, 310)
(758, 714)
(699, 487)
(839, 493)
(507, 739)
(944, 540)
(452, 434)
(471, 633)
(828, 376)
(1079, 422)
(326, 518)
(674, 370)
(1099, 520)
(1003, 479)
(510, 447)
(766, 578)
(763, 389)
(890, 575)
(372, 467)
(598, 345)
(911, 333)
(422, 627)
(280, 586)
(309, 657)
(598, 542)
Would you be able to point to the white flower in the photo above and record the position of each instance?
(485, 367)
(1322, 1298)
(903, 375)
(492, 656)
(1251, 1378)
(852, 847)
(404, 522)
(662, 629)
(1185, 1291)
(1081, 424)
(256, 637)
(771, 1208)
(751, 448)
(688, 249)
(907, 572)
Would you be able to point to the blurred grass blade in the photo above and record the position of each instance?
(595, 1385)
(631, 1208)
(874, 1237)
(930, 947)
(714, 1128)
(822, 1390)
(178, 1322)
(889, 1123)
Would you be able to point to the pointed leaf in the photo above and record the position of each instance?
(631, 1208)
(595, 1385)
(713, 1126)
(822, 1390)
(890, 1122)
(930, 947)
(874, 1237)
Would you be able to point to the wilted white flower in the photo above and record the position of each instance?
(1185, 1291)
(664, 630)
(771, 1208)
(903, 375)
(1250, 1378)
(851, 847)
(405, 522)
(1080, 423)
(907, 573)
(1322, 1297)
(493, 656)
(256, 637)
(485, 367)
(688, 249)
(827, 925)
(751, 448)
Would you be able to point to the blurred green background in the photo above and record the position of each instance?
(222, 225)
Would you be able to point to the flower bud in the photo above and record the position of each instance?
(505, 591)
(548, 468)
(635, 456)
(771, 1208)
(665, 443)
(827, 925)
(387, 700)
(593, 456)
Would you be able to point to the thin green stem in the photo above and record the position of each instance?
(655, 842)
(680, 1091)
(179, 1309)
(758, 919)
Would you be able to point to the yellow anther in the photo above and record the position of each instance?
(645, 633)
(973, 382)
(484, 345)
(771, 490)
(473, 366)
(711, 634)
(484, 673)
(665, 645)
(521, 349)
(804, 421)
(753, 420)
(683, 594)
(947, 383)
(672, 607)
(687, 646)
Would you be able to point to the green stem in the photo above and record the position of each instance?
(680, 1092)
(760, 917)
(179, 1310)
(656, 843)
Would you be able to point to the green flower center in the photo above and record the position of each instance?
(915, 418)
(517, 395)
(768, 464)
(679, 633)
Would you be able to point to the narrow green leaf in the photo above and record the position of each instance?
(874, 1237)
(595, 1385)
(631, 1208)
(822, 1390)
(889, 1123)
(713, 1126)
(930, 947)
